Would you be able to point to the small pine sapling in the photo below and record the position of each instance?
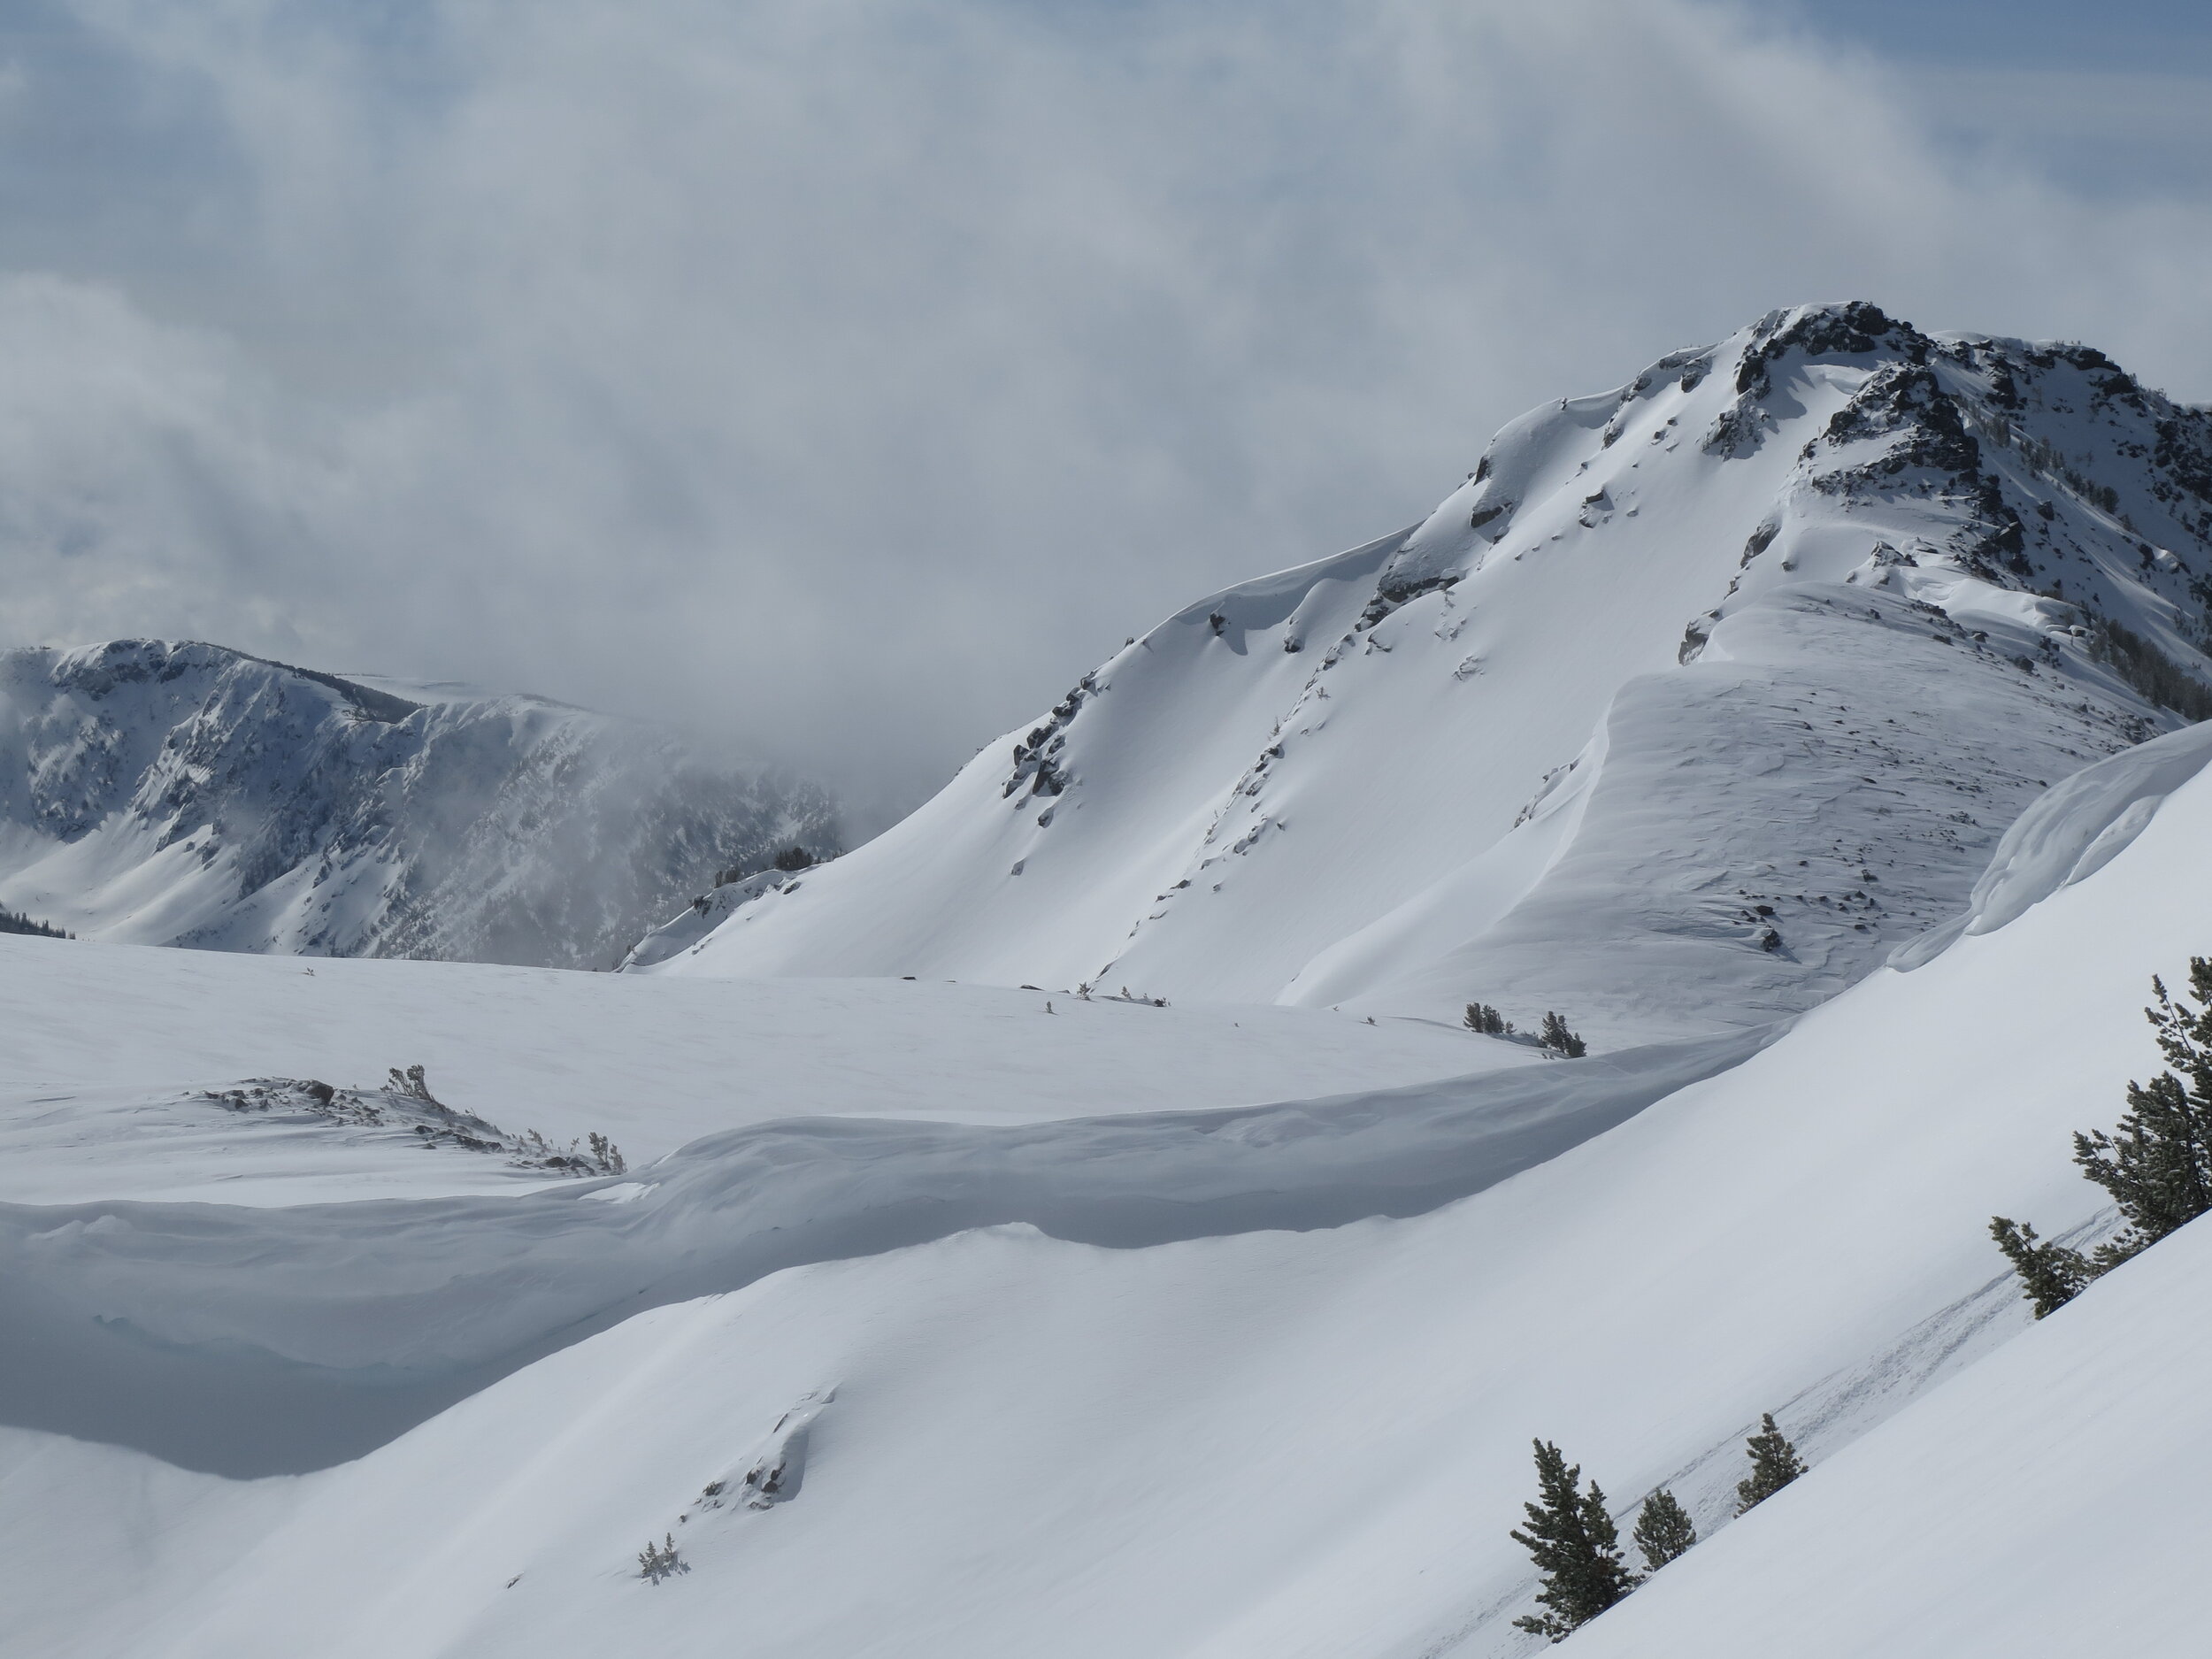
(1483, 1017)
(1774, 1464)
(660, 1560)
(1663, 1530)
(2050, 1274)
(1571, 1537)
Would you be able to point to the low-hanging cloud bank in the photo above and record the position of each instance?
(841, 377)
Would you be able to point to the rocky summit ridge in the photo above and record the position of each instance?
(1696, 698)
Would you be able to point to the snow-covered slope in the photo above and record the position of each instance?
(956, 1319)
(189, 794)
(1252, 1443)
(2044, 1502)
(1695, 699)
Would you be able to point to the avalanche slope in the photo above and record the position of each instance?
(1693, 701)
(1268, 1443)
(187, 795)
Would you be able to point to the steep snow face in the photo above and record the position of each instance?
(188, 794)
(1697, 698)
(2041, 1502)
(1293, 1445)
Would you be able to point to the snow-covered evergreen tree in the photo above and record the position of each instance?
(2050, 1274)
(1663, 1530)
(1774, 1464)
(660, 1560)
(1556, 1038)
(2157, 1162)
(1571, 1537)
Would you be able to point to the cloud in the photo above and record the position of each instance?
(843, 379)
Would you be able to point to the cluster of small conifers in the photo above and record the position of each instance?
(660, 1560)
(1577, 1547)
(1553, 1037)
(15, 922)
(2156, 1164)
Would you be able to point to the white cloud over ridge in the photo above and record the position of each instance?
(843, 378)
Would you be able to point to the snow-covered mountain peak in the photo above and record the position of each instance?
(188, 794)
(1835, 596)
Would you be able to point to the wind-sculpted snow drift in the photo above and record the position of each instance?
(2075, 829)
(258, 1340)
(1696, 700)
(187, 795)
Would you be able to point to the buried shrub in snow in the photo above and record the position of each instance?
(410, 1084)
(406, 1103)
(2156, 1163)
(1483, 1017)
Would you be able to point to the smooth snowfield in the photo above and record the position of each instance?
(102, 1038)
(1270, 1444)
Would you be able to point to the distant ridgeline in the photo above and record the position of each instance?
(184, 794)
(10, 922)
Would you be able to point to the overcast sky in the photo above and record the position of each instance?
(841, 379)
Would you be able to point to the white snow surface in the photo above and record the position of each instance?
(96, 1102)
(2040, 1503)
(934, 1318)
(1697, 698)
(1259, 1442)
